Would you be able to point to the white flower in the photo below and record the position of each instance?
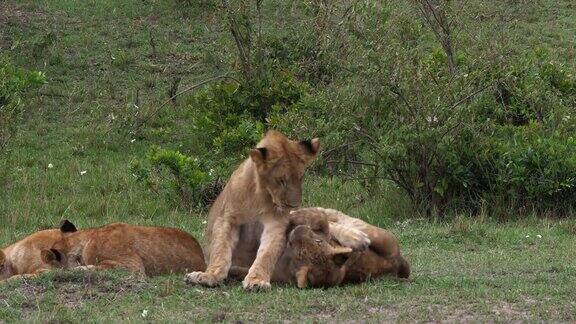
(432, 119)
(133, 140)
(204, 222)
(539, 236)
(50, 166)
(145, 313)
(527, 236)
(83, 172)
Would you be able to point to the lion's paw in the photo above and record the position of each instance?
(201, 278)
(256, 284)
(355, 239)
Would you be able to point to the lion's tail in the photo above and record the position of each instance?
(404, 269)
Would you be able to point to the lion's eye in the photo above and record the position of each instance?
(318, 241)
(282, 182)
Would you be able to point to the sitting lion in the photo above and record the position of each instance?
(23, 257)
(147, 251)
(263, 189)
(318, 251)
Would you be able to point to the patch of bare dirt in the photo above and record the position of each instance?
(72, 289)
(15, 15)
(12, 14)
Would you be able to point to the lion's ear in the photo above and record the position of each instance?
(67, 227)
(310, 148)
(341, 254)
(51, 256)
(260, 156)
(302, 277)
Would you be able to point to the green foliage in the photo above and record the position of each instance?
(528, 168)
(531, 87)
(230, 118)
(536, 166)
(190, 178)
(186, 169)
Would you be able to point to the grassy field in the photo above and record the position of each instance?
(107, 61)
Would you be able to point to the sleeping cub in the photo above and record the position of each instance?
(147, 251)
(23, 257)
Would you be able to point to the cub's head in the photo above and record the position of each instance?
(281, 163)
(58, 256)
(314, 261)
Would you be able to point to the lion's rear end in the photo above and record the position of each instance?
(169, 250)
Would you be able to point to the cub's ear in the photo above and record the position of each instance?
(259, 156)
(2, 259)
(67, 227)
(341, 254)
(302, 277)
(51, 256)
(310, 147)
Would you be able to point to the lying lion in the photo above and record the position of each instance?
(23, 257)
(147, 251)
(316, 253)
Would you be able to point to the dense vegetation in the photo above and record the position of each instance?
(461, 110)
(435, 97)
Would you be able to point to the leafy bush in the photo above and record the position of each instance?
(13, 83)
(535, 168)
(520, 154)
(494, 131)
(227, 119)
(457, 120)
(191, 179)
(230, 118)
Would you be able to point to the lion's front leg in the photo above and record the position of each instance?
(223, 241)
(271, 246)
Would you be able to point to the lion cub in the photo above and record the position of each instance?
(326, 248)
(23, 257)
(315, 262)
(263, 189)
(148, 251)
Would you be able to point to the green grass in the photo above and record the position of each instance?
(462, 271)
(99, 62)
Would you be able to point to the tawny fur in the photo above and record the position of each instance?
(319, 252)
(263, 189)
(147, 251)
(23, 257)
(382, 257)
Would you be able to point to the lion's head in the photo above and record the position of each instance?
(60, 253)
(314, 261)
(280, 164)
